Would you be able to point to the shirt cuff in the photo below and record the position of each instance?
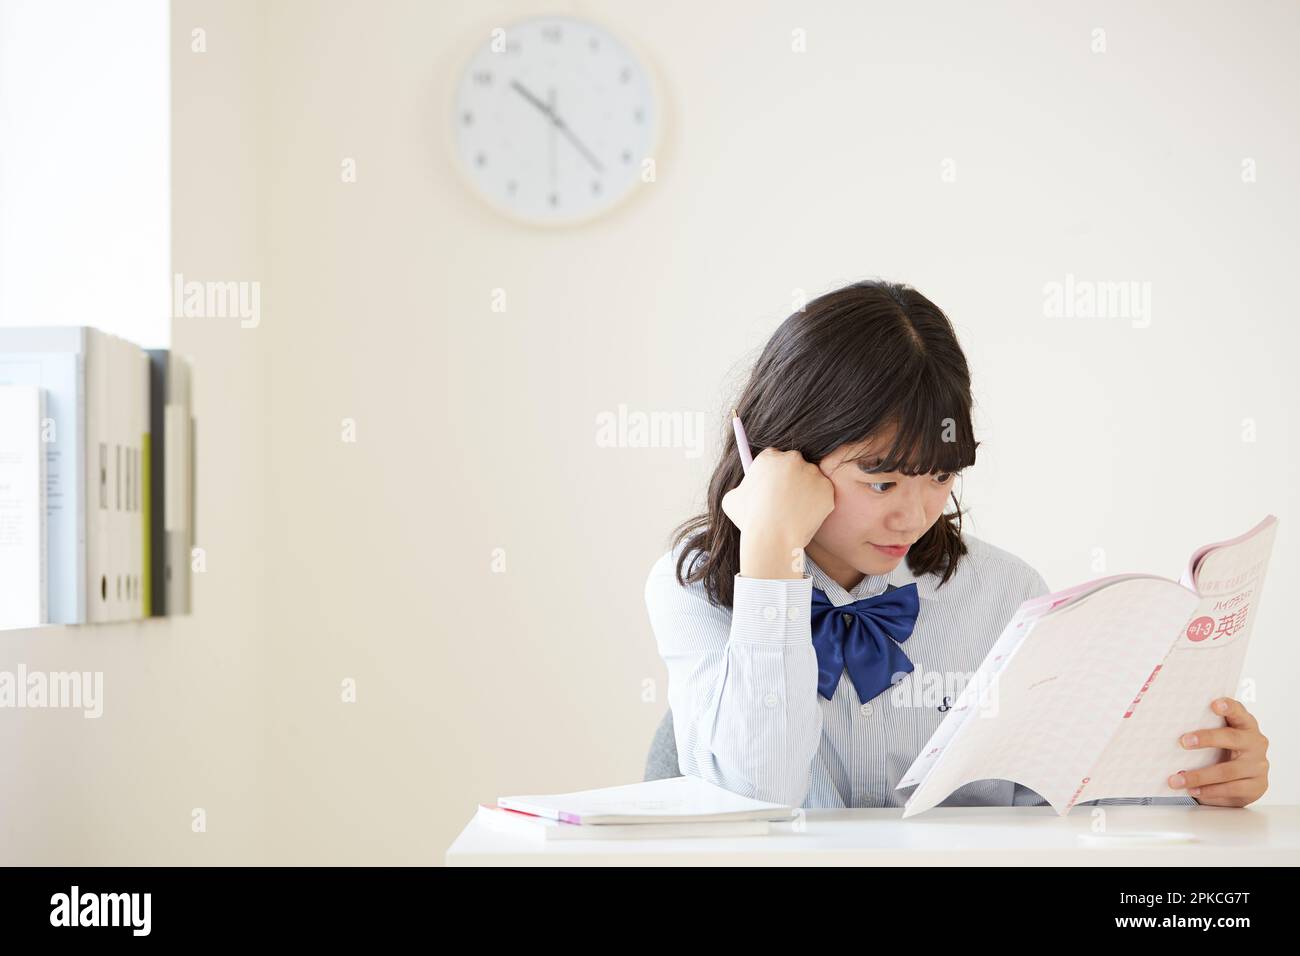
(771, 610)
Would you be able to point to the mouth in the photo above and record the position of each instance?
(893, 550)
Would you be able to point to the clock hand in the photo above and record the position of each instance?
(550, 105)
(522, 91)
(557, 122)
(574, 140)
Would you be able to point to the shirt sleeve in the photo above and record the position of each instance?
(742, 684)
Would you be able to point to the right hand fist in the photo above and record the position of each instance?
(783, 499)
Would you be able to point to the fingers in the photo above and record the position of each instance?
(1228, 783)
(1229, 738)
(1243, 768)
(1235, 793)
(1236, 714)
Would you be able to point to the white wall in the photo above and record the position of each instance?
(781, 171)
(85, 137)
(185, 699)
(371, 560)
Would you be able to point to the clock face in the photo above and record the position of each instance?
(554, 120)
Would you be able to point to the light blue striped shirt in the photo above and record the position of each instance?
(742, 684)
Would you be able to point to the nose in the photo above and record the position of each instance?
(908, 516)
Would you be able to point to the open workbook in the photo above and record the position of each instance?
(1087, 691)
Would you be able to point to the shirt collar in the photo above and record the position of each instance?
(871, 585)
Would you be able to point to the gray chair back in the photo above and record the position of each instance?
(661, 762)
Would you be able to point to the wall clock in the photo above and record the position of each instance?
(555, 121)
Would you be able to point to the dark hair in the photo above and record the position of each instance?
(850, 364)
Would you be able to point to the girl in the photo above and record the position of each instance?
(859, 407)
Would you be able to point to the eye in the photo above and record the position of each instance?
(945, 477)
(876, 486)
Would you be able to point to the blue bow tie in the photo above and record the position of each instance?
(861, 636)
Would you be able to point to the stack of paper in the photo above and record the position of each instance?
(674, 807)
(22, 507)
(54, 360)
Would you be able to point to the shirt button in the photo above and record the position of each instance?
(771, 700)
(866, 710)
(769, 613)
(847, 618)
(792, 614)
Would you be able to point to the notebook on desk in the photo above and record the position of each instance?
(544, 828)
(671, 800)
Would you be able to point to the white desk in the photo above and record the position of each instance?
(944, 836)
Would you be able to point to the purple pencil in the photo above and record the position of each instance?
(742, 442)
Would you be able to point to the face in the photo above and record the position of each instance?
(873, 510)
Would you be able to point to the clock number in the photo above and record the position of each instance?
(551, 33)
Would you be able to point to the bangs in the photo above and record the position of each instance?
(933, 435)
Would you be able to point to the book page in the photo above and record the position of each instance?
(1045, 716)
(1204, 663)
(975, 696)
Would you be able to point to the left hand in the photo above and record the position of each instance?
(1238, 779)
